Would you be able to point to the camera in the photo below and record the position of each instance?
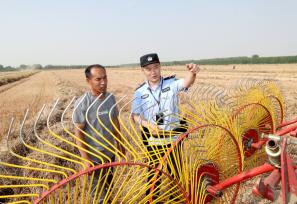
(160, 119)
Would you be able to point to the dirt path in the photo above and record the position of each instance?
(13, 84)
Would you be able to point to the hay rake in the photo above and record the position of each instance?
(206, 164)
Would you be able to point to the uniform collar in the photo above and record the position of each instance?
(160, 83)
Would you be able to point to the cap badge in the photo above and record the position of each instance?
(149, 59)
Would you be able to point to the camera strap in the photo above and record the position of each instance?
(159, 98)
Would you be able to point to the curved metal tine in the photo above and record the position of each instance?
(43, 151)
(132, 124)
(118, 181)
(194, 90)
(102, 136)
(76, 181)
(105, 158)
(64, 112)
(86, 134)
(131, 150)
(22, 126)
(32, 148)
(7, 137)
(66, 130)
(140, 120)
(27, 158)
(8, 133)
(207, 92)
(124, 127)
(107, 129)
(72, 135)
(220, 97)
(78, 158)
(149, 156)
(78, 161)
(98, 133)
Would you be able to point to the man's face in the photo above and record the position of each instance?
(152, 72)
(98, 80)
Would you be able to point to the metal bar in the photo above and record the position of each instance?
(286, 123)
(287, 130)
(240, 178)
(284, 172)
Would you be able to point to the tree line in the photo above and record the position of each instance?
(255, 59)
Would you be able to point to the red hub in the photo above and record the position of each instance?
(209, 175)
(249, 137)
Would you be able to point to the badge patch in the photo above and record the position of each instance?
(144, 96)
(103, 113)
(166, 89)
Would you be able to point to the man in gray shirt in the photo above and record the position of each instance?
(95, 113)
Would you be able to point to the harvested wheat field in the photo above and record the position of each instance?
(45, 87)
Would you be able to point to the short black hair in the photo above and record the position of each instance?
(90, 67)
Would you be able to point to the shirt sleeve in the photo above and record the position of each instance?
(79, 112)
(178, 85)
(136, 104)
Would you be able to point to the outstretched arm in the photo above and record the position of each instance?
(193, 69)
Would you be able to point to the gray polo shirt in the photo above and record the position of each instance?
(101, 108)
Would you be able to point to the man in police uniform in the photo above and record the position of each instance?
(155, 105)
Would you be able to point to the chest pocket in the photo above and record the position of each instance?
(167, 94)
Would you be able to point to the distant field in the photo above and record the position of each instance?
(46, 86)
(9, 77)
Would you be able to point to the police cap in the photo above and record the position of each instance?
(149, 59)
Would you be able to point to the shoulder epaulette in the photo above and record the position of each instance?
(140, 86)
(170, 77)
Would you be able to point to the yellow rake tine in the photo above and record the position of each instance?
(64, 151)
(114, 183)
(24, 185)
(73, 135)
(28, 178)
(32, 168)
(19, 195)
(102, 124)
(97, 187)
(88, 135)
(40, 150)
(20, 201)
(59, 137)
(138, 143)
(29, 159)
(96, 131)
(124, 127)
(136, 185)
(128, 146)
(33, 160)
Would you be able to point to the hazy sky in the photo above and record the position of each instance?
(116, 32)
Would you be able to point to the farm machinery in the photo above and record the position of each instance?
(236, 142)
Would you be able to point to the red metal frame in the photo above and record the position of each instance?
(289, 181)
(210, 172)
(251, 134)
(185, 135)
(214, 190)
(264, 188)
(286, 123)
(101, 166)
